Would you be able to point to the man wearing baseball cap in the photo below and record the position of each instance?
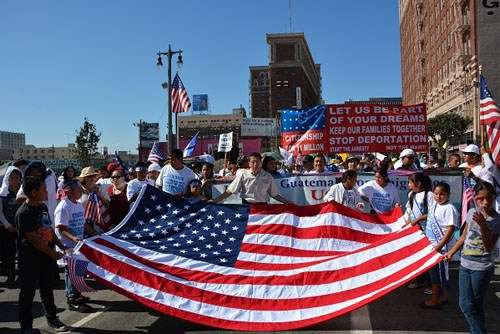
(135, 185)
(473, 166)
(153, 172)
(406, 160)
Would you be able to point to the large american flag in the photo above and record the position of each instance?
(489, 114)
(180, 97)
(255, 268)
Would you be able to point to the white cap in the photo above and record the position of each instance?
(154, 167)
(380, 156)
(207, 158)
(407, 152)
(471, 149)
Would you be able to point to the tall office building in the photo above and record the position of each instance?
(439, 59)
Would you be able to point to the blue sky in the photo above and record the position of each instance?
(62, 61)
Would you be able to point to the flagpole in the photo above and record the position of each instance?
(482, 127)
(177, 132)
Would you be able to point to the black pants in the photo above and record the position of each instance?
(32, 274)
(8, 251)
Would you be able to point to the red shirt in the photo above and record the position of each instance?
(118, 206)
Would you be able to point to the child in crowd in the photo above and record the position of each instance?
(419, 198)
(380, 193)
(441, 222)
(36, 241)
(193, 191)
(8, 207)
(480, 233)
(70, 225)
(134, 186)
(417, 207)
(345, 192)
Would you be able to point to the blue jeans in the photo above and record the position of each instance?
(71, 291)
(473, 285)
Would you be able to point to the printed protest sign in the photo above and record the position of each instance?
(225, 142)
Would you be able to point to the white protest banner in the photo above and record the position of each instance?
(310, 189)
(225, 142)
(303, 190)
(258, 127)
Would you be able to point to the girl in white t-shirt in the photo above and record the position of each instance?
(380, 193)
(419, 199)
(441, 222)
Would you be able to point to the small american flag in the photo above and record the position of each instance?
(156, 155)
(489, 114)
(467, 198)
(77, 269)
(180, 98)
(96, 213)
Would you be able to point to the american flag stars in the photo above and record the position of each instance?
(199, 230)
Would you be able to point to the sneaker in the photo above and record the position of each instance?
(57, 325)
(428, 291)
(79, 307)
(81, 299)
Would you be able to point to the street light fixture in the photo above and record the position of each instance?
(159, 63)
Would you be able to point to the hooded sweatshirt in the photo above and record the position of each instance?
(8, 204)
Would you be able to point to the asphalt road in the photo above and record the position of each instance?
(397, 312)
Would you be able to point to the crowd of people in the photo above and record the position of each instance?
(43, 216)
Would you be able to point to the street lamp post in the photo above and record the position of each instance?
(159, 63)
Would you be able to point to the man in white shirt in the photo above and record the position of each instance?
(174, 178)
(319, 167)
(254, 184)
(406, 160)
(473, 166)
(153, 172)
(134, 186)
(345, 192)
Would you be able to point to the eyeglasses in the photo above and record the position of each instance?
(116, 176)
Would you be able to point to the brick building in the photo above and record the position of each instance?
(291, 78)
(439, 57)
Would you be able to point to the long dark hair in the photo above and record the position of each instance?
(426, 186)
(65, 173)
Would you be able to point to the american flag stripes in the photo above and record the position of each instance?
(488, 110)
(262, 267)
(77, 269)
(489, 114)
(156, 155)
(467, 198)
(180, 98)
